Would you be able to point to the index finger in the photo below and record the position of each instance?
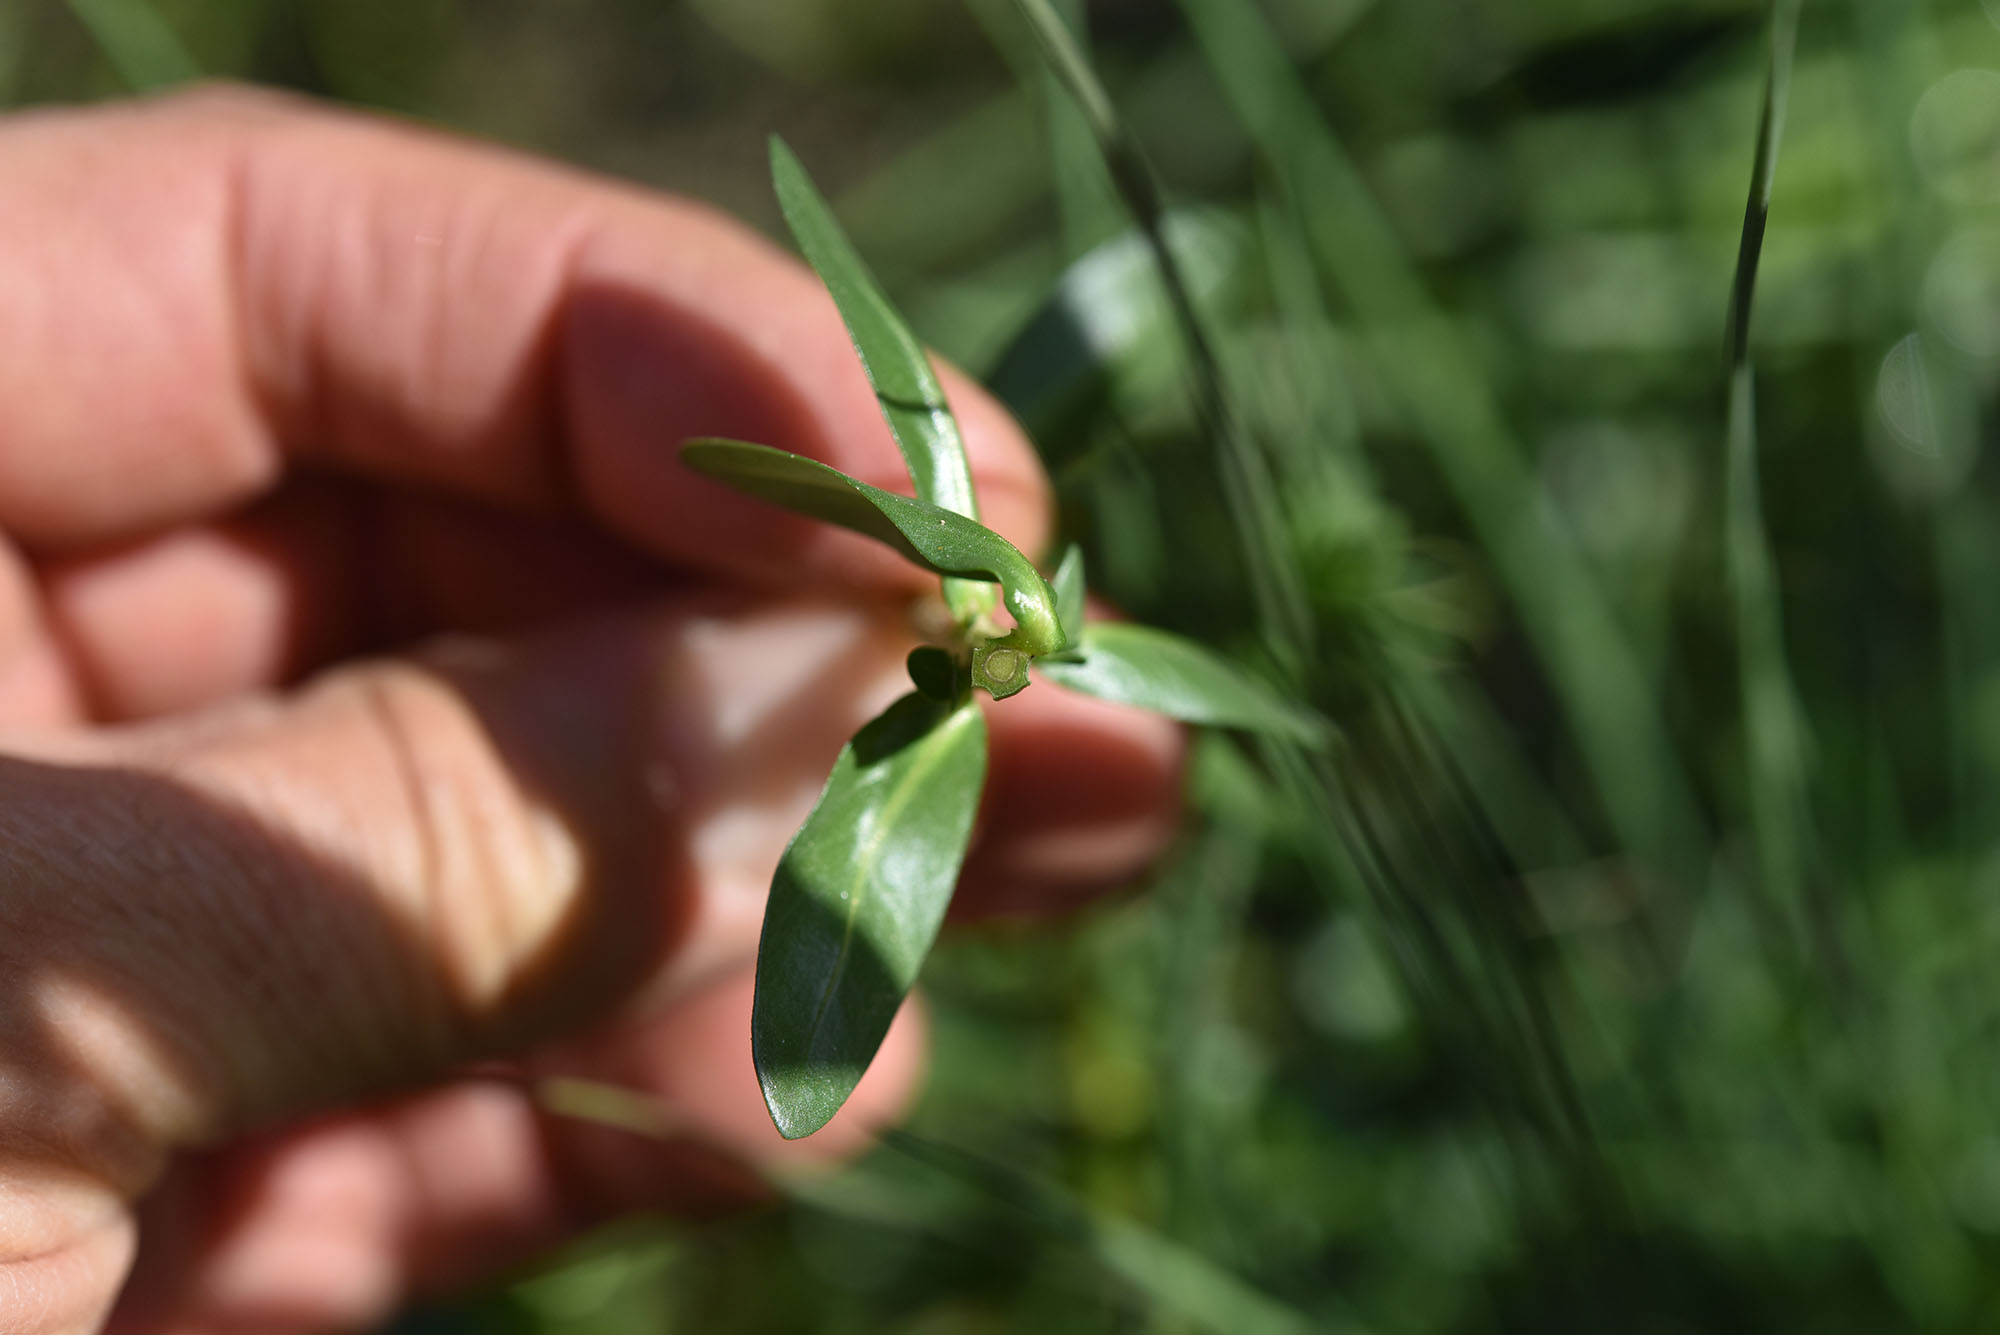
(205, 290)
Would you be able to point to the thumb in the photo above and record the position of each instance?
(405, 865)
(297, 901)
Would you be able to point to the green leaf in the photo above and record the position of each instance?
(906, 386)
(936, 539)
(1068, 584)
(1776, 737)
(857, 900)
(1138, 665)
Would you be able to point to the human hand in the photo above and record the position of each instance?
(284, 389)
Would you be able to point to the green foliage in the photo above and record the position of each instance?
(1630, 961)
(857, 900)
(1774, 742)
(1105, 334)
(138, 42)
(859, 894)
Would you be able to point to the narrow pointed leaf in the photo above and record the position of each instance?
(906, 386)
(1068, 584)
(1775, 734)
(934, 538)
(857, 900)
(1138, 665)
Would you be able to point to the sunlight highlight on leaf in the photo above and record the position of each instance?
(857, 901)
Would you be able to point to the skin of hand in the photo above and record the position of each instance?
(286, 392)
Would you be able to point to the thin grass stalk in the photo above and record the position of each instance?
(1284, 616)
(1886, 51)
(1774, 746)
(13, 40)
(1600, 681)
(1353, 854)
(1389, 852)
(1170, 1277)
(1202, 911)
(1085, 200)
(142, 49)
(1510, 797)
(1484, 882)
(1330, 438)
(1371, 835)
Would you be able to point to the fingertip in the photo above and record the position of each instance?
(647, 364)
(722, 334)
(693, 1063)
(1081, 797)
(182, 619)
(697, 1059)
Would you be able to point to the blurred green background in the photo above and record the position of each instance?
(1635, 963)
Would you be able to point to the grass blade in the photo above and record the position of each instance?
(1173, 1278)
(137, 42)
(1439, 384)
(1283, 609)
(1773, 735)
(857, 901)
(13, 31)
(899, 368)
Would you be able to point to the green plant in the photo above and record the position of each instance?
(858, 895)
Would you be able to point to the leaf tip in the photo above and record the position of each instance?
(801, 1098)
(795, 1114)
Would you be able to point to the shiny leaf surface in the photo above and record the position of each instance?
(857, 900)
